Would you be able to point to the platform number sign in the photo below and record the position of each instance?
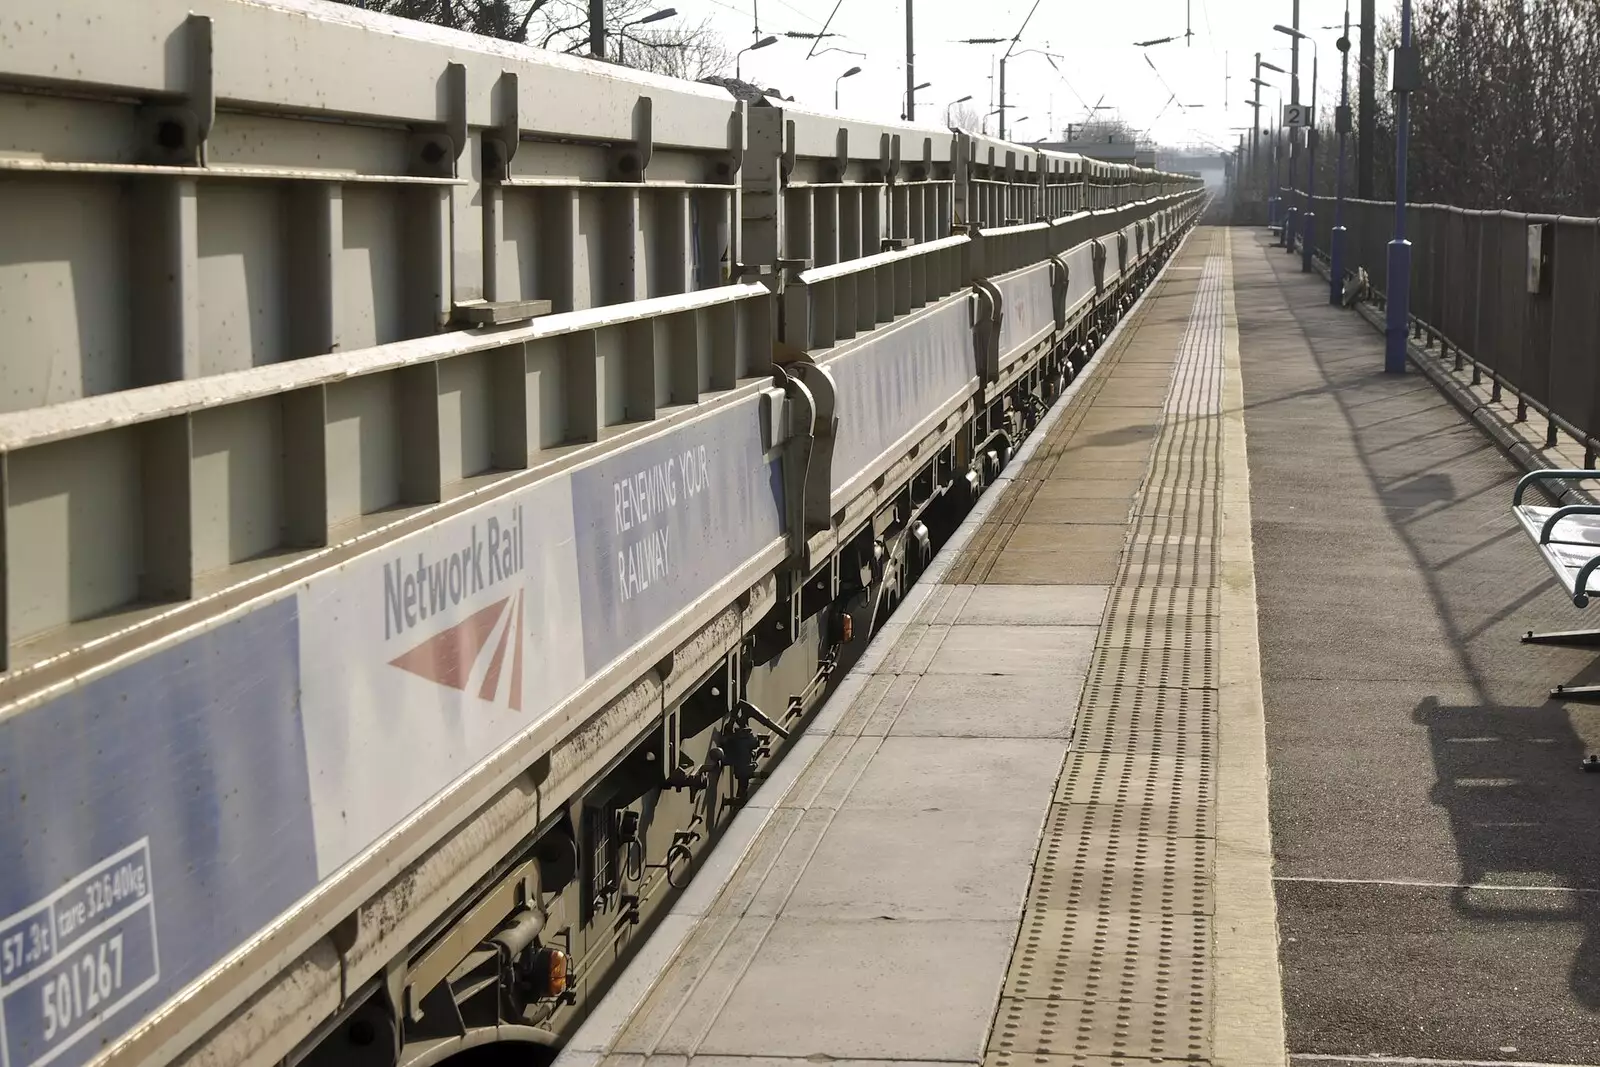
(1297, 114)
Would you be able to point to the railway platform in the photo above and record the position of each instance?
(1032, 825)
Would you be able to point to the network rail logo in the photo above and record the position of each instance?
(485, 649)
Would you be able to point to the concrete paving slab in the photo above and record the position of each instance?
(955, 705)
(1110, 511)
(1148, 391)
(1062, 566)
(777, 1061)
(1013, 650)
(1049, 536)
(1083, 538)
(1113, 435)
(1088, 489)
(1118, 407)
(945, 864)
(1031, 605)
(1131, 469)
(1084, 452)
(951, 773)
(1155, 369)
(832, 773)
(878, 989)
(684, 1006)
(766, 893)
(876, 707)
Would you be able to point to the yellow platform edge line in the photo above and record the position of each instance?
(1248, 984)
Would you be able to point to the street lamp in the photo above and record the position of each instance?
(1308, 230)
(905, 98)
(739, 55)
(1275, 202)
(852, 72)
(952, 104)
(622, 31)
(1255, 137)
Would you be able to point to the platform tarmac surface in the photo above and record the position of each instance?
(1031, 826)
(1438, 875)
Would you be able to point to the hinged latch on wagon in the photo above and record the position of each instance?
(1097, 255)
(808, 454)
(1060, 280)
(988, 316)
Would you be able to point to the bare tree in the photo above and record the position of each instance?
(690, 52)
(1102, 131)
(1508, 115)
(492, 18)
(966, 117)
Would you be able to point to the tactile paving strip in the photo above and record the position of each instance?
(1128, 715)
(1122, 783)
(1055, 944)
(1112, 964)
(1114, 872)
(1104, 1028)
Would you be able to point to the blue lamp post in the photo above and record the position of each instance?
(1407, 76)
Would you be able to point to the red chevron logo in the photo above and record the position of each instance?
(452, 657)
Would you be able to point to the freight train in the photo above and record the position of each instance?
(440, 477)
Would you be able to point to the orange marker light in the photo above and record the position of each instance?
(557, 967)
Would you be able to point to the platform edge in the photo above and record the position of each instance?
(1248, 986)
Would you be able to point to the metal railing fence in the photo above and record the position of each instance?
(1509, 292)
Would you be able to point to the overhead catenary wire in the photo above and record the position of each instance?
(824, 31)
(805, 15)
(1063, 76)
(1151, 64)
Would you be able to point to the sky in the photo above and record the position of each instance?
(1099, 66)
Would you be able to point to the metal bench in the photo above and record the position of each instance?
(1568, 537)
